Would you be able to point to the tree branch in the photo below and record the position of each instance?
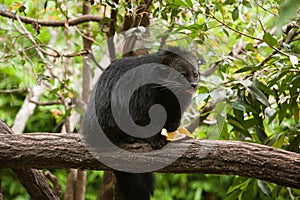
(49, 103)
(33, 180)
(43, 150)
(53, 23)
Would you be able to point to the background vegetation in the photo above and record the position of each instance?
(251, 76)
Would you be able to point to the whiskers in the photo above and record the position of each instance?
(173, 85)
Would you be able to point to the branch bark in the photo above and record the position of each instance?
(33, 180)
(43, 150)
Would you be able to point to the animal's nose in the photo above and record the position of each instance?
(194, 85)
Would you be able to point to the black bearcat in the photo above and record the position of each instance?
(139, 186)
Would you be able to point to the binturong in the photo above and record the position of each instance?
(139, 98)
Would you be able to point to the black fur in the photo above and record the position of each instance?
(136, 186)
(141, 186)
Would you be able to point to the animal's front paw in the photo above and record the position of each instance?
(157, 141)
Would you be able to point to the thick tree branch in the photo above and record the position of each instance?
(42, 150)
(54, 23)
(33, 180)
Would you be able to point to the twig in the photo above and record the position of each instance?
(49, 103)
(14, 90)
(95, 61)
(234, 30)
(58, 55)
(53, 179)
(145, 11)
(85, 36)
(264, 8)
(267, 59)
(53, 23)
(244, 34)
(30, 37)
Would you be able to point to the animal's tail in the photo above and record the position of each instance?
(136, 186)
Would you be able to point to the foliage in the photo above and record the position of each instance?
(252, 45)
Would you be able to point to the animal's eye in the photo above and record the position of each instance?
(196, 75)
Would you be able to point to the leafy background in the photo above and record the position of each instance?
(253, 47)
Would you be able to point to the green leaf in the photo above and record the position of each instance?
(189, 3)
(203, 27)
(68, 112)
(280, 75)
(241, 106)
(222, 126)
(54, 91)
(263, 87)
(164, 15)
(277, 140)
(229, 2)
(193, 27)
(250, 123)
(282, 111)
(238, 114)
(250, 192)
(294, 145)
(240, 184)
(186, 3)
(203, 90)
(246, 69)
(249, 47)
(226, 32)
(287, 11)
(247, 4)
(264, 188)
(295, 110)
(22, 9)
(105, 20)
(233, 195)
(46, 4)
(235, 14)
(255, 92)
(294, 86)
(261, 134)
(235, 123)
(269, 39)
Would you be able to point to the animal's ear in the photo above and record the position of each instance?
(172, 50)
(170, 53)
(165, 52)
